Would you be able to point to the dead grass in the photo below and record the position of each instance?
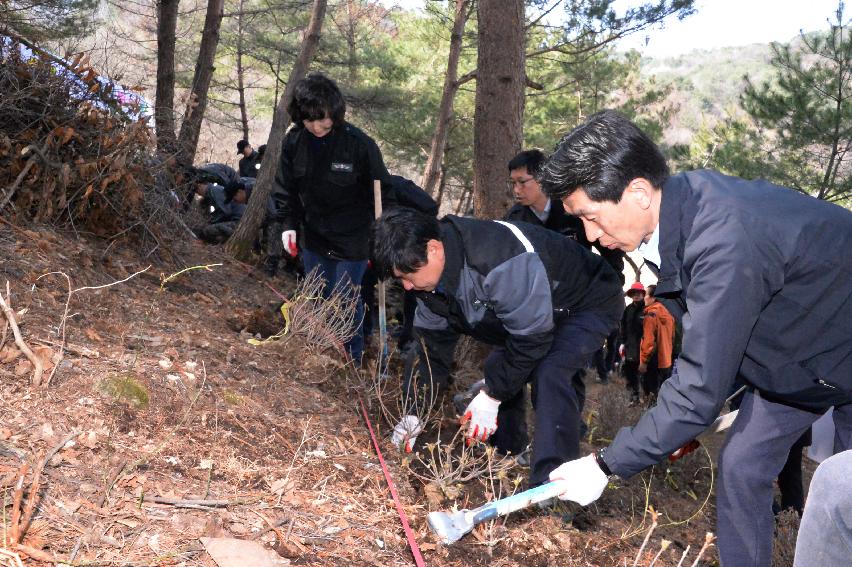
(786, 530)
(612, 412)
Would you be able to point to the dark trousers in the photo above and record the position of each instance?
(558, 394)
(350, 272)
(605, 356)
(218, 232)
(754, 452)
(368, 297)
(631, 374)
(654, 377)
(790, 477)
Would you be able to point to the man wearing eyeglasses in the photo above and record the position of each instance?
(535, 207)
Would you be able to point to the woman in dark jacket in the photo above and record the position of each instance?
(323, 189)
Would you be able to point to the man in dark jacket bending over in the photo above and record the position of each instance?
(761, 276)
(544, 301)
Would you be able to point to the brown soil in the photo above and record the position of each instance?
(168, 399)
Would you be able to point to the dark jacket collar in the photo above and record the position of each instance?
(672, 205)
(453, 256)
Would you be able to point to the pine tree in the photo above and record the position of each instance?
(805, 113)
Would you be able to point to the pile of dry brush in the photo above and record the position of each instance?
(72, 158)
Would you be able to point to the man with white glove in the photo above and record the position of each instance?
(481, 417)
(586, 479)
(543, 301)
(758, 275)
(405, 433)
(288, 238)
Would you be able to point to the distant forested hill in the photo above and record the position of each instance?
(706, 84)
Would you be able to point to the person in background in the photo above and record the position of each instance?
(532, 205)
(250, 162)
(323, 191)
(655, 349)
(630, 337)
(225, 205)
(756, 272)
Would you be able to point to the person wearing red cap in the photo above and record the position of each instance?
(630, 336)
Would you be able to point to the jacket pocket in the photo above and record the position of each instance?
(800, 384)
(342, 178)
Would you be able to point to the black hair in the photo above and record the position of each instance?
(601, 156)
(651, 290)
(530, 159)
(261, 150)
(399, 240)
(315, 97)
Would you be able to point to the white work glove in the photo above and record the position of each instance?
(288, 237)
(405, 433)
(481, 417)
(586, 480)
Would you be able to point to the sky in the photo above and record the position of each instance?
(720, 23)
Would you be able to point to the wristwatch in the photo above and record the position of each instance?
(601, 463)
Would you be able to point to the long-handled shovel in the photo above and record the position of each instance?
(452, 526)
(383, 324)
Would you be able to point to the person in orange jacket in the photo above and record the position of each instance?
(655, 350)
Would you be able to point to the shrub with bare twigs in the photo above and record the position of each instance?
(317, 323)
(404, 394)
(444, 467)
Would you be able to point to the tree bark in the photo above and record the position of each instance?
(240, 243)
(164, 107)
(498, 117)
(241, 87)
(196, 105)
(431, 179)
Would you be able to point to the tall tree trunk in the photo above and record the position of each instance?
(240, 243)
(197, 103)
(164, 107)
(441, 186)
(351, 43)
(498, 118)
(241, 87)
(277, 82)
(431, 179)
